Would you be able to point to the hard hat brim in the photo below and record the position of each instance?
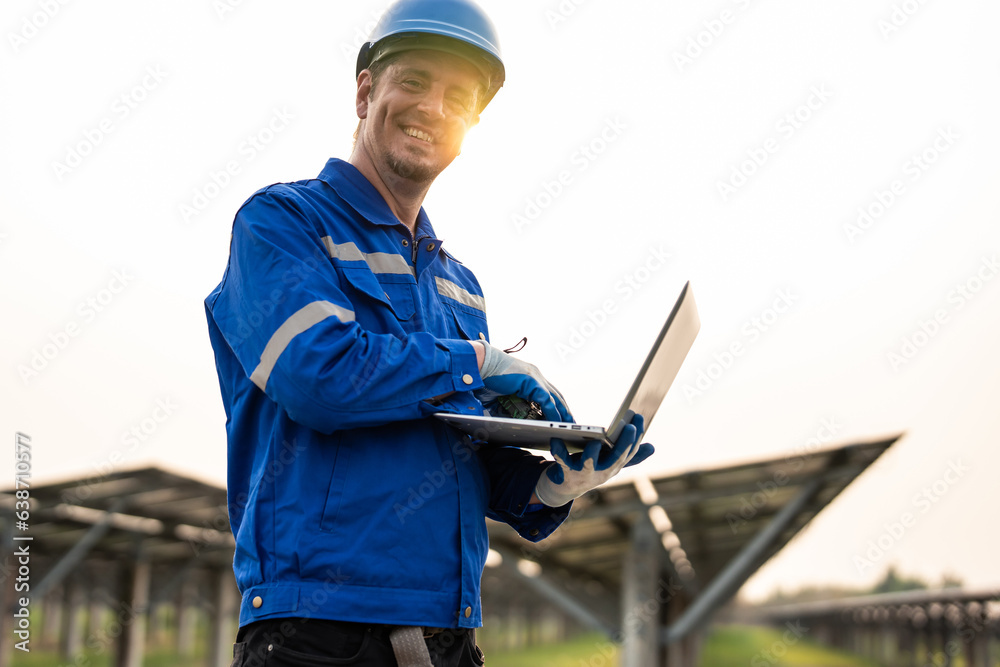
(416, 41)
(458, 27)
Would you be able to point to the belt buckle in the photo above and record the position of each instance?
(430, 632)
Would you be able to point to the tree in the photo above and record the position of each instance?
(893, 582)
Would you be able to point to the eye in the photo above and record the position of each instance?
(461, 102)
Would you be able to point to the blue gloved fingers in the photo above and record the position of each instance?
(558, 449)
(573, 475)
(552, 406)
(548, 397)
(639, 423)
(622, 447)
(561, 406)
(591, 454)
(643, 453)
(551, 402)
(561, 454)
(549, 407)
(629, 435)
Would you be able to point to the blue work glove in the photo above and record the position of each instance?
(504, 375)
(572, 475)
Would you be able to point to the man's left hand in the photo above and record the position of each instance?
(572, 475)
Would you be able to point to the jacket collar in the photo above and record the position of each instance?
(361, 195)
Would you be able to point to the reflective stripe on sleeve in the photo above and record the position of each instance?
(378, 262)
(305, 317)
(460, 294)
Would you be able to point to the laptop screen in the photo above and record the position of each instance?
(661, 366)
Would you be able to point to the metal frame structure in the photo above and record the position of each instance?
(910, 628)
(647, 563)
(122, 543)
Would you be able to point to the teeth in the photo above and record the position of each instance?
(417, 134)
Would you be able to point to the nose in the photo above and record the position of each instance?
(432, 103)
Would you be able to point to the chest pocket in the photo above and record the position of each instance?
(396, 291)
(470, 322)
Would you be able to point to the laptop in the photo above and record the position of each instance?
(644, 396)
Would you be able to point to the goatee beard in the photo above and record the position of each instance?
(408, 170)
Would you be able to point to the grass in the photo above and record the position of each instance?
(725, 647)
(593, 650)
(153, 658)
(767, 647)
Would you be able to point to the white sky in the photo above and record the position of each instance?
(199, 79)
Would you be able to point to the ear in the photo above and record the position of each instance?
(364, 90)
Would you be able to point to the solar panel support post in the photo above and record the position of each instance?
(548, 588)
(186, 616)
(71, 633)
(978, 650)
(734, 574)
(641, 604)
(134, 611)
(52, 610)
(96, 606)
(225, 602)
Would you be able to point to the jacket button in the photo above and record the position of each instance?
(534, 532)
(482, 336)
(257, 602)
(430, 246)
(406, 244)
(467, 379)
(468, 612)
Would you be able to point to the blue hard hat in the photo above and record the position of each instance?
(459, 27)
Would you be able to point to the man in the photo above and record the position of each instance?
(340, 326)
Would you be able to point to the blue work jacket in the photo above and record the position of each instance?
(332, 328)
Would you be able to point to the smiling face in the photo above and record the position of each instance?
(417, 114)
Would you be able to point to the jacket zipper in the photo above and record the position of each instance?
(413, 254)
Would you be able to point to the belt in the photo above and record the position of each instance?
(409, 647)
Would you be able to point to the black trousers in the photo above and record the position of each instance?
(310, 642)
